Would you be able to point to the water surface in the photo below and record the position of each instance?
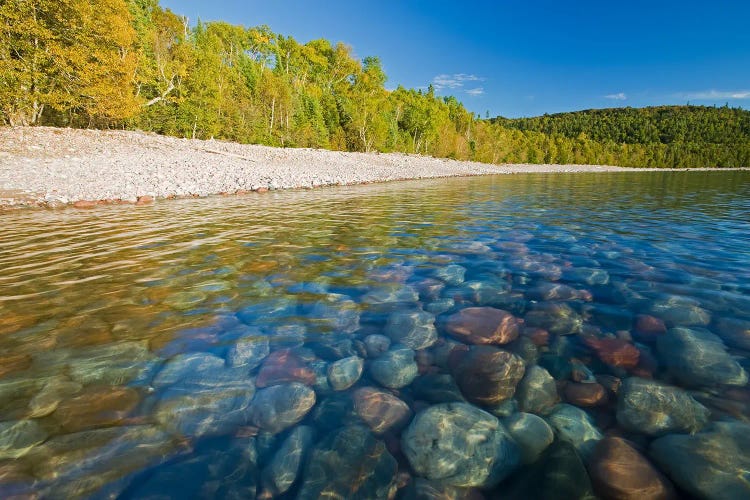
(134, 339)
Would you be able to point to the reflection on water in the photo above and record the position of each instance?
(415, 339)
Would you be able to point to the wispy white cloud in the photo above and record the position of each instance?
(620, 96)
(475, 92)
(709, 95)
(454, 81)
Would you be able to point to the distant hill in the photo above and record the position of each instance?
(652, 125)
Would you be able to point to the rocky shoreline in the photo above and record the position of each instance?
(55, 167)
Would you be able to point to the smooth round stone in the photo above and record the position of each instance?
(414, 329)
(381, 411)
(556, 291)
(111, 364)
(249, 352)
(18, 437)
(392, 294)
(336, 313)
(281, 406)
(284, 468)
(537, 391)
(649, 407)
(394, 369)
(335, 411)
(483, 325)
(190, 370)
(349, 463)
(204, 412)
(615, 352)
(575, 426)
(559, 473)
(649, 327)
(580, 394)
(532, 434)
(556, 317)
(376, 345)
(49, 397)
(452, 274)
(618, 470)
(676, 314)
(436, 388)
(459, 444)
(486, 375)
(96, 407)
(439, 306)
(429, 288)
(713, 464)
(284, 366)
(697, 357)
(344, 373)
(587, 275)
(735, 332)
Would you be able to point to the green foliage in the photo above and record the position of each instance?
(132, 63)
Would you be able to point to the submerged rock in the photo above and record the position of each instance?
(414, 329)
(614, 351)
(337, 313)
(423, 489)
(376, 345)
(649, 407)
(96, 407)
(735, 332)
(461, 445)
(579, 394)
(249, 351)
(17, 438)
(486, 375)
(537, 391)
(281, 406)
(483, 325)
(436, 388)
(394, 369)
(283, 470)
(349, 463)
(697, 357)
(344, 373)
(381, 411)
(284, 366)
(713, 464)
(555, 317)
(452, 274)
(532, 434)
(617, 470)
(575, 426)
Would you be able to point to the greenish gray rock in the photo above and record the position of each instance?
(556, 317)
(734, 332)
(344, 373)
(586, 275)
(532, 434)
(349, 463)
(394, 369)
(713, 464)
(452, 274)
(52, 393)
(678, 311)
(420, 488)
(652, 408)
(337, 313)
(17, 438)
(439, 306)
(283, 470)
(279, 407)
(414, 329)
(575, 426)
(436, 388)
(697, 357)
(537, 391)
(112, 364)
(249, 351)
(376, 345)
(460, 445)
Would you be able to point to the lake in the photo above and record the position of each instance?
(520, 336)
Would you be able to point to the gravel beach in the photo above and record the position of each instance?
(55, 167)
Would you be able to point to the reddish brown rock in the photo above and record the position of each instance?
(283, 366)
(84, 204)
(486, 375)
(649, 327)
(98, 407)
(381, 411)
(144, 200)
(618, 471)
(483, 325)
(585, 394)
(615, 352)
(14, 363)
(610, 383)
(538, 336)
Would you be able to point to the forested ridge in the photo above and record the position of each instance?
(132, 64)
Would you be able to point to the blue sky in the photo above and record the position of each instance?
(525, 58)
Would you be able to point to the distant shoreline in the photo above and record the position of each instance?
(59, 167)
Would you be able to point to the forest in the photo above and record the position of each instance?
(132, 64)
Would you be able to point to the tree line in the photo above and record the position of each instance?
(133, 64)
